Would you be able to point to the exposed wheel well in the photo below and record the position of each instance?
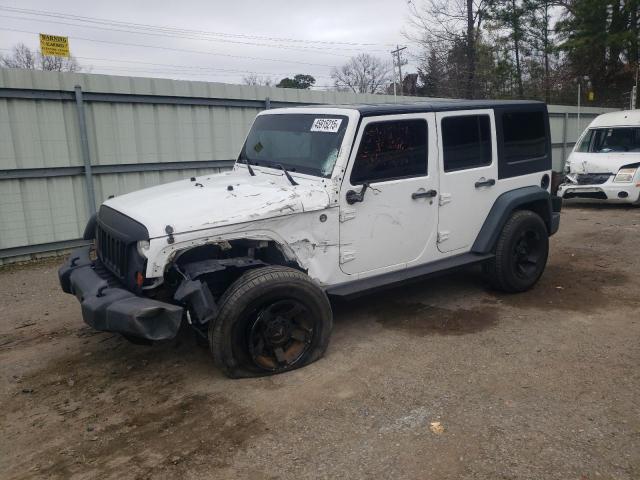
(220, 264)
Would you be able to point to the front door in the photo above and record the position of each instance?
(394, 219)
(468, 174)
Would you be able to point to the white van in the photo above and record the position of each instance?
(604, 165)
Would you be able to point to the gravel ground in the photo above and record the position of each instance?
(440, 380)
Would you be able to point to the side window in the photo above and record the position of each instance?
(390, 150)
(466, 142)
(585, 144)
(524, 136)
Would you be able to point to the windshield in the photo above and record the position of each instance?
(606, 140)
(305, 143)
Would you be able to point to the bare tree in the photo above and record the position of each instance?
(22, 56)
(439, 24)
(540, 27)
(362, 74)
(255, 80)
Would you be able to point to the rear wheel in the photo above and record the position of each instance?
(521, 253)
(271, 320)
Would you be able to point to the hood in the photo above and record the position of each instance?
(218, 200)
(602, 162)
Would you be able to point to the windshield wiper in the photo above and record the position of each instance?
(288, 175)
(251, 172)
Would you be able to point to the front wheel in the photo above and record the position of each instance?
(521, 253)
(271, 320)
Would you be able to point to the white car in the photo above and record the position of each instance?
(604, 164)
(323, 201)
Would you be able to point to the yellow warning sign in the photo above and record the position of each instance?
(591, 96)
(54, 45)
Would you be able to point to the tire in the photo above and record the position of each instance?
(271, 320)
(521, 253)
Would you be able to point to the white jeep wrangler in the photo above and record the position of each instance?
(323, 201)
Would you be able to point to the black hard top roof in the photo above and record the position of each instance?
(368, 110)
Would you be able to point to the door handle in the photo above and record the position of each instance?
(486, 183)
(426, 194)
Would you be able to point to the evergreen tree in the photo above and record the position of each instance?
(507, 15)
(430, 76)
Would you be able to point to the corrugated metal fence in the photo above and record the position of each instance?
(69, 141)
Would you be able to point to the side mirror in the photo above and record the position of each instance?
(355, 197)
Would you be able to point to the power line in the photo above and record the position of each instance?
(171, 35)
(170, 69)
(183, 50)
(96, 20)
(172, 65)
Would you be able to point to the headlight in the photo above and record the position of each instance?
(625, 175)
(143, 246)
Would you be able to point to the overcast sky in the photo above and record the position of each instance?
(230, 31)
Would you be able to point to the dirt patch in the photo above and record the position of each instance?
(574, 286)
(176, 435)
(536, 385)
(420, 319)
(52, 259)
(123, 409)
(27, 334)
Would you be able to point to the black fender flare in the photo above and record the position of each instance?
(533, 197)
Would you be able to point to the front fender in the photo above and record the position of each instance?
(161, 253)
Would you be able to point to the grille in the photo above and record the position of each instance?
(106, 275)
(579, 194)
(112, 252)
(592, 178)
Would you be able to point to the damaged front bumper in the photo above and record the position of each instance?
(609, 192)
(108, 307)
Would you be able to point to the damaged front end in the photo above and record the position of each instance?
(616, 186)
(109, 307)
(108, 280)
(197, 278)
(195, 293)
(190, 289)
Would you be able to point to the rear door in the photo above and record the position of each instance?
(468, 175)
(394, 223)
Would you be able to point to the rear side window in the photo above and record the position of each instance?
(466, 142)
(390, 150)
(524, 136)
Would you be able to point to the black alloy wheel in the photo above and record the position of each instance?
(280, 334)
(527, 253)
(520, 253)
(271, 320)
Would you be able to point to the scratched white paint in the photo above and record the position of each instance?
(312, 223)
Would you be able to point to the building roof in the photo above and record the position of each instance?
(367, 110)
(613, 119)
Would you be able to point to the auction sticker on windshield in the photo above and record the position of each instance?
(330, 125)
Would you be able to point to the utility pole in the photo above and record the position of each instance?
(396, 52)
(634, 93)
(579, 80)
(579, 94)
